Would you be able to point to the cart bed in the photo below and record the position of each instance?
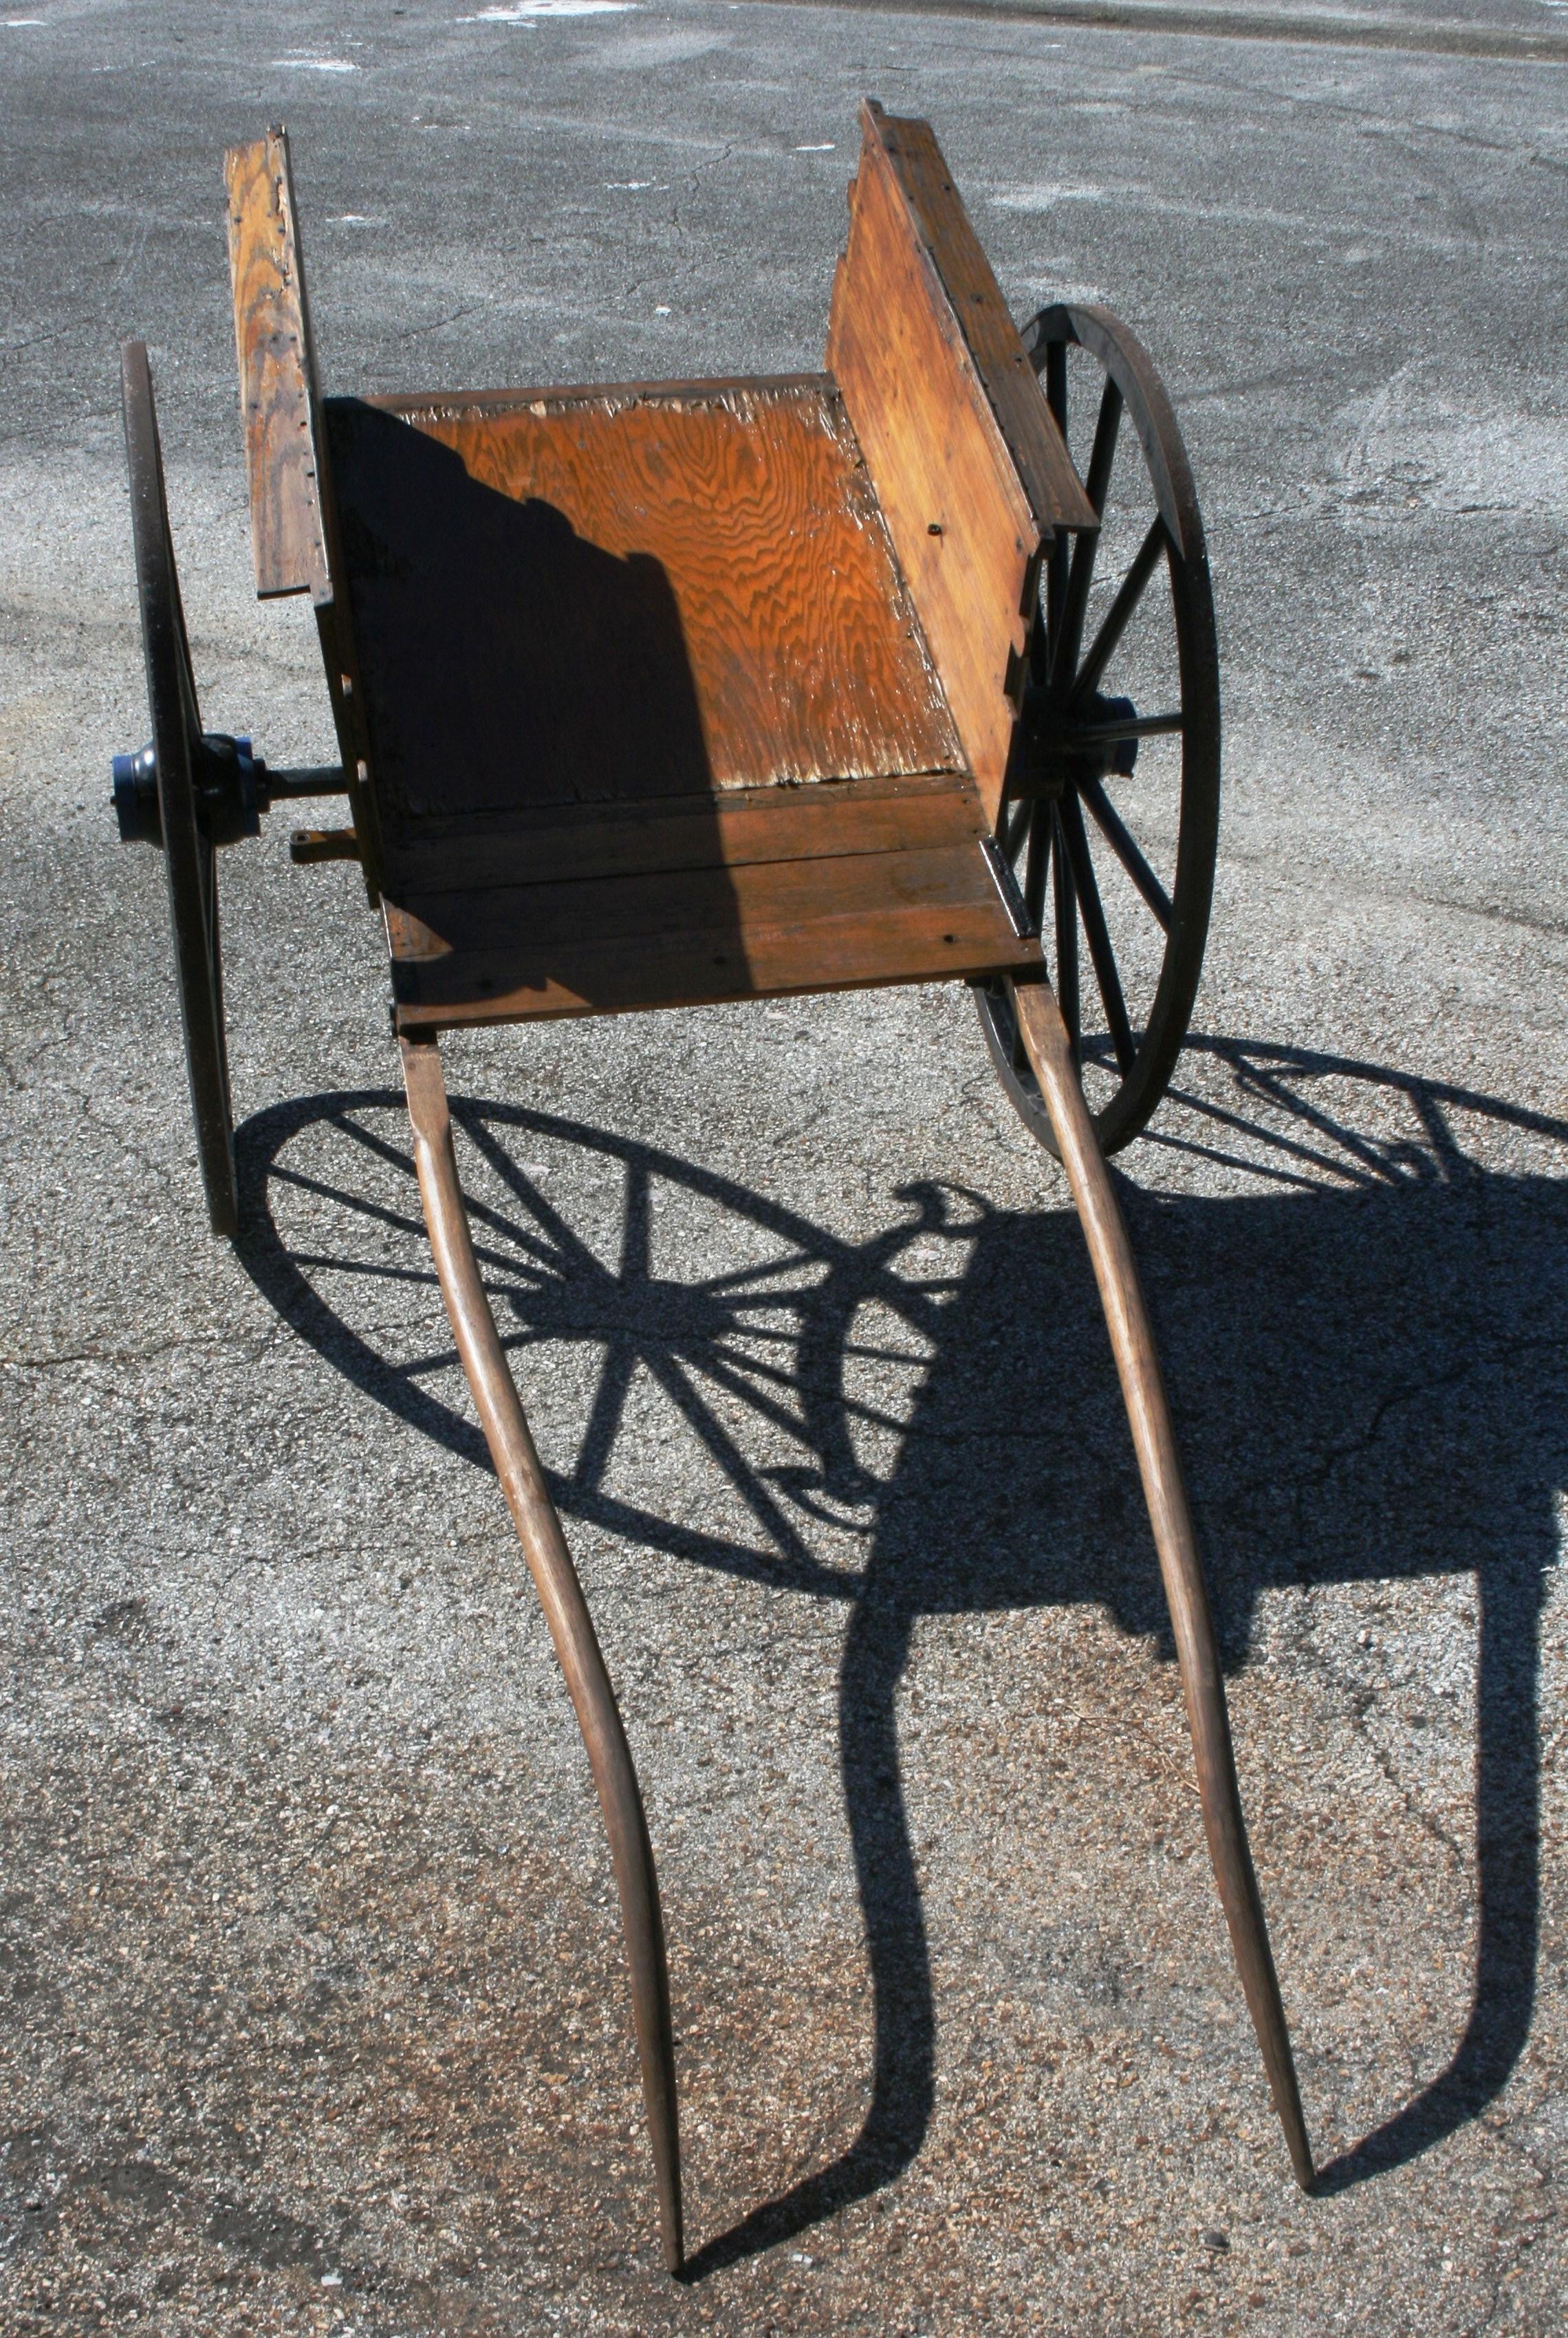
(651, 715)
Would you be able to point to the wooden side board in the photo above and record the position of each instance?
(295, 537)
(1054, 492)
(278, 395)
(969, 469)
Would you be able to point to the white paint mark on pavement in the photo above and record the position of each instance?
(525, 12)
(1043, 198)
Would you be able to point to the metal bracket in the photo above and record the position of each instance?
(1006, 884)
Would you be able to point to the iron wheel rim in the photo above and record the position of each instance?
(1127, 375)
(190, 859)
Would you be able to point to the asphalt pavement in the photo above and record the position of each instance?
(317, 2019)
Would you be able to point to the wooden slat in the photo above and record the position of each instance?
(926, 909)
(967, 523)
(920, 942)
(626, 594)
(277, 399)
(758, 896)
(725, 830)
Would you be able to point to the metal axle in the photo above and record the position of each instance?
(233, 788)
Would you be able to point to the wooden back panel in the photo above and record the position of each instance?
(279, 401)
(622, 592)
(969, 467)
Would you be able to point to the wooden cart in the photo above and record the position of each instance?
(677, 692)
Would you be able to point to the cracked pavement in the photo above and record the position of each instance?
(316, 2017)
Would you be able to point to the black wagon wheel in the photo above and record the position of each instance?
(175, 815)
(1112, 814)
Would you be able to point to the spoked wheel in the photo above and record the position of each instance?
(1112, 808)
(157, 796)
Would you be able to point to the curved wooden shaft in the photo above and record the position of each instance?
(1045, 1037)
(565, 1611)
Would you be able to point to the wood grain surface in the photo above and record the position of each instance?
(1050, 1054)
(622, 594)
(915, 901)
(957, 506)
(277, 399)
(723, 830)
(913, 943)
(1039, 456)
(523, 1481)
(758, 897)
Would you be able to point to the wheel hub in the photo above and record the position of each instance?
(1057, 746)
(229, 783)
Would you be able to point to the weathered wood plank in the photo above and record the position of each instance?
(277, 397)
(724, 830)
(915, 942)
(756, 897)
(555, 394)
(966, 522)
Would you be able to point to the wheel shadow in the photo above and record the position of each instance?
(1365, 1351)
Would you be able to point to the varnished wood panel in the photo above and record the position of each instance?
(1045, 468)
(552, 395)
(957, 507)
(277, 373)
(625, 594)
(724, 830)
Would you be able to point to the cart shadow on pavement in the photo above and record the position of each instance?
(1365, 1345)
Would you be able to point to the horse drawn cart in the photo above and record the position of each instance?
(668, 692)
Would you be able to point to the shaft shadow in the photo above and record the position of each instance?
(1365, 1349)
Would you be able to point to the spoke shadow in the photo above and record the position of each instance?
(1365, 1349)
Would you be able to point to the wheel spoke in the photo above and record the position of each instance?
(1067, 637)
(1066, 905)
(1035, 867)
(1094, 926)
(1104, 452)
(1117, 616)
(1056, 560)
(1109, 823)
(1056, 384)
